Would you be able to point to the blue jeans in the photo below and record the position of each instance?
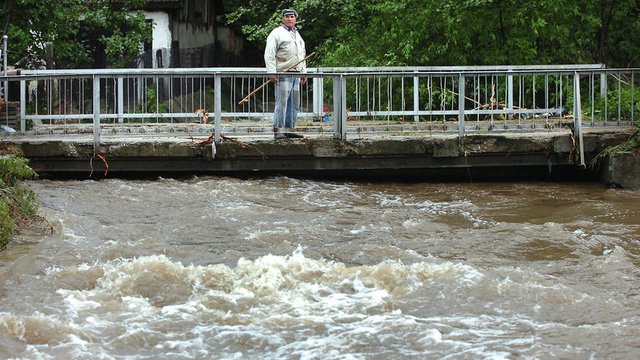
(287, 102)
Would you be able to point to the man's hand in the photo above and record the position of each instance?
(273, 78)
(303, 81)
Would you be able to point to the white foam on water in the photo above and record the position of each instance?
(315, 194)
(275, 307)
(580, 233)
(70, 236)
(312, 199)
(387, 201)
(277, 230)
(78, 301)
(463, 208)
(410, 223)
(361, 229)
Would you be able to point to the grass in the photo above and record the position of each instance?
(18, 206)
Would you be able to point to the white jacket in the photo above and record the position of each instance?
(284, 49)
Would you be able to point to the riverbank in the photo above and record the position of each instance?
(18, 206)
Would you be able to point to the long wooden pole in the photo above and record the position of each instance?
(246, 98)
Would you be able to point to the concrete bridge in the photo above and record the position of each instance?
(425, 156)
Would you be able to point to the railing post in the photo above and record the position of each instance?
(416, 98)
(217, 106)
(318, 96)
(577, 116)
(120, 82)
(339, 107)
(96, 111)
(461, 106)
(603, 84)
(23, 105)
(510, 96)
(5, 93)
(4, 54)
(344, 115)
(633, 101)
(4, 67)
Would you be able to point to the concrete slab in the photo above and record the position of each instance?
(622, 170)
(435, 155)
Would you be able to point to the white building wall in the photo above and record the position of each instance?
(189, 38)
(161, 36)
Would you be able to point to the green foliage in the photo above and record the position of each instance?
(17, 203)
(6, 223)
(73, 33)
(627, 102)
(29, 35)
(122, 30)
(13, 169)
(632, 144)
(153, 105)
(620, 33)
(618, 103)
(455, 32)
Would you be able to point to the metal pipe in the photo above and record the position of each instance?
(5, 38)
(96, 112)
(6, 72)
(461, 83)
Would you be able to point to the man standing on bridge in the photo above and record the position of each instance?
(285, 52)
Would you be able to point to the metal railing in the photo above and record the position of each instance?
(337, 102)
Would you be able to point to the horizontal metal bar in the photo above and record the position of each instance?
(333, 70)
(157, 115)
(59, 117)
(401, 72)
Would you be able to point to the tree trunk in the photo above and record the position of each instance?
(8, 19)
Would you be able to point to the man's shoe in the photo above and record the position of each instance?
(279, 136)
(293, 135)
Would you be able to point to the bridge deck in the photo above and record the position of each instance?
(433, 156)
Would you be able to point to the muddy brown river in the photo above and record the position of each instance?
(283, 268)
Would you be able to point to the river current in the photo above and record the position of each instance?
(283, 268)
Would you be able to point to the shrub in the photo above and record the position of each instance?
(17, 203)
